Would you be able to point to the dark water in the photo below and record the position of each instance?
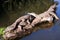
(52, 33)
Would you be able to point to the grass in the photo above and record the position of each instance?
(1, 30)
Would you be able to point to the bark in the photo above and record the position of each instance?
(22, 26)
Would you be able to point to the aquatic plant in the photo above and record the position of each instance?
(1, 30)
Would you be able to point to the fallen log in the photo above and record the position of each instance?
(25, 24)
